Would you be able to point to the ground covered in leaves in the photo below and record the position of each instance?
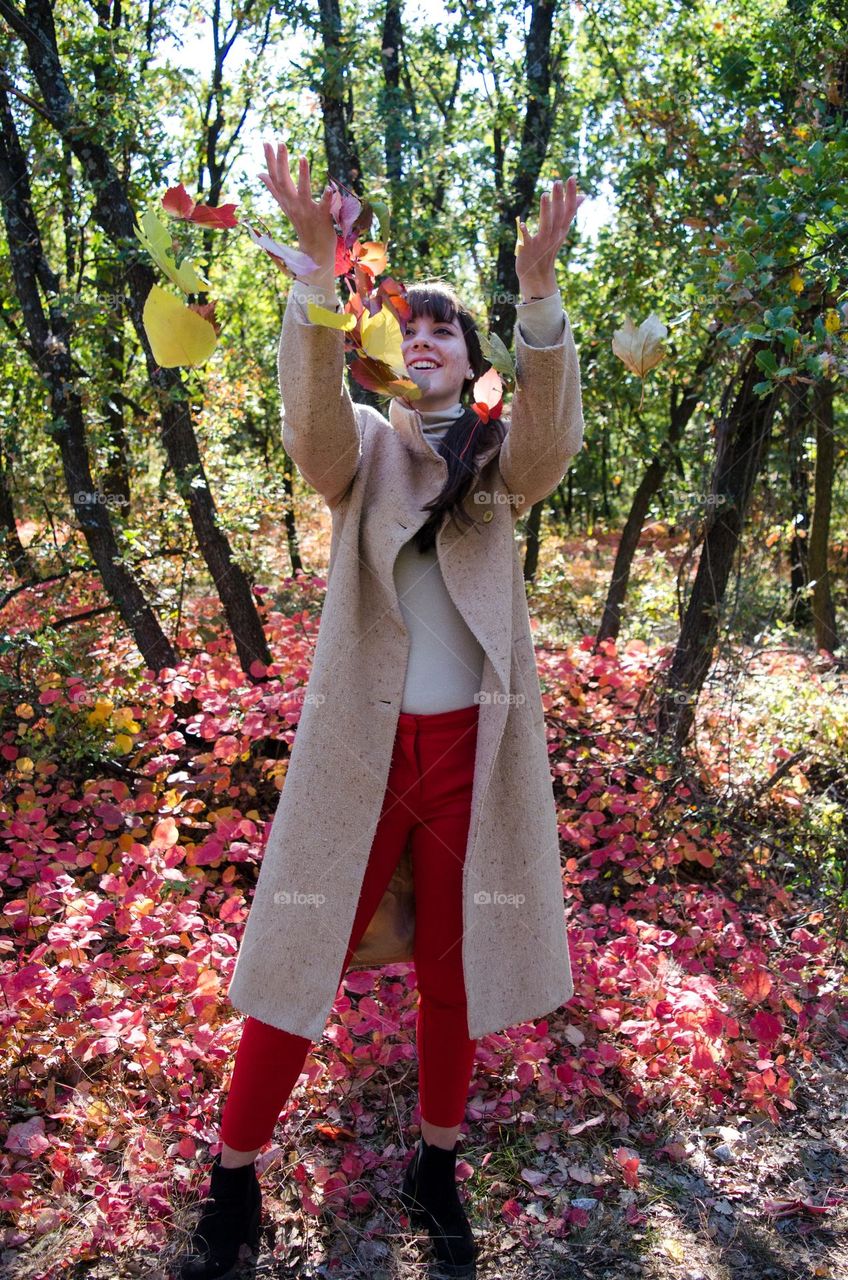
(685, 1115)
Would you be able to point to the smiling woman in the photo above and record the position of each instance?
(459, 788)
(443, 334)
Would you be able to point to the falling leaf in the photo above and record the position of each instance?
(376, 376)
(497, 354)
(179, 204)
(639, 349)
(381, 339)
(488, 395)
(177, 334)
(292, 261)
(156, 239)
(332, 319)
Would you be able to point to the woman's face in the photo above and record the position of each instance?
(440, 345)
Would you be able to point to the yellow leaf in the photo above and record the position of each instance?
(720, 199)
(381, 339)
(123, 743)
(519, 236)
(332, 319)
(101, 713)
(123, 719)
(156, 239)
(177, 335)
(796, 283)
(832, 322)
(639, 349)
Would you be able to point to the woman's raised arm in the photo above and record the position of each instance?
(546, 418)
(321, 426)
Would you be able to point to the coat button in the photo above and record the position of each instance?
(488, 515)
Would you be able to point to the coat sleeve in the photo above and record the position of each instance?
(322, 427)
(546, 419)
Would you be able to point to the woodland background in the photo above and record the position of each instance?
(162, 561)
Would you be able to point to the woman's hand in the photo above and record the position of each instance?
(534, 260)
(311, 219)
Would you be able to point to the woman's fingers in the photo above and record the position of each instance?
(303, 181)
(284, 177)
(544, 214)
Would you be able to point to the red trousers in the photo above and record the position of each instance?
(428, 794)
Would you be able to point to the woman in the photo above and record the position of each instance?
(423, 690)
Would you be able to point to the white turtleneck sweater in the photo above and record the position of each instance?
(445, 664)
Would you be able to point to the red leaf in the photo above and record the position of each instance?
(766, 1027)
(179, 204)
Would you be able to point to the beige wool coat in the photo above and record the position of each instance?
(375, 474)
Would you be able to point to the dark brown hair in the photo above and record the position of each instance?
(438, 300)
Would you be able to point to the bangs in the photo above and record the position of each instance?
(432, 301)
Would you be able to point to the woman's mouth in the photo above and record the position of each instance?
(424, 365)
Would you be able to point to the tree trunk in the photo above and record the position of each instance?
(531, 551)
(824, 614)
(649, 486)
(51, 343)
(797, 419)
(112, 211)
(116, 472)
(290, 522)
(14, 548)
(741, 439)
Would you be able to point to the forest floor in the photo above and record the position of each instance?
(683, 1117)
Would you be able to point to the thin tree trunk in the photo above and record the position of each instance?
(15, 550)
(797, 420)
(648, 488)
(742, 437)
(824, 614)
(116, 469)
(290, 522)
(531, 551)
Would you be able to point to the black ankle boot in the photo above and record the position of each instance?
(429, 1194)
(230, 1218)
